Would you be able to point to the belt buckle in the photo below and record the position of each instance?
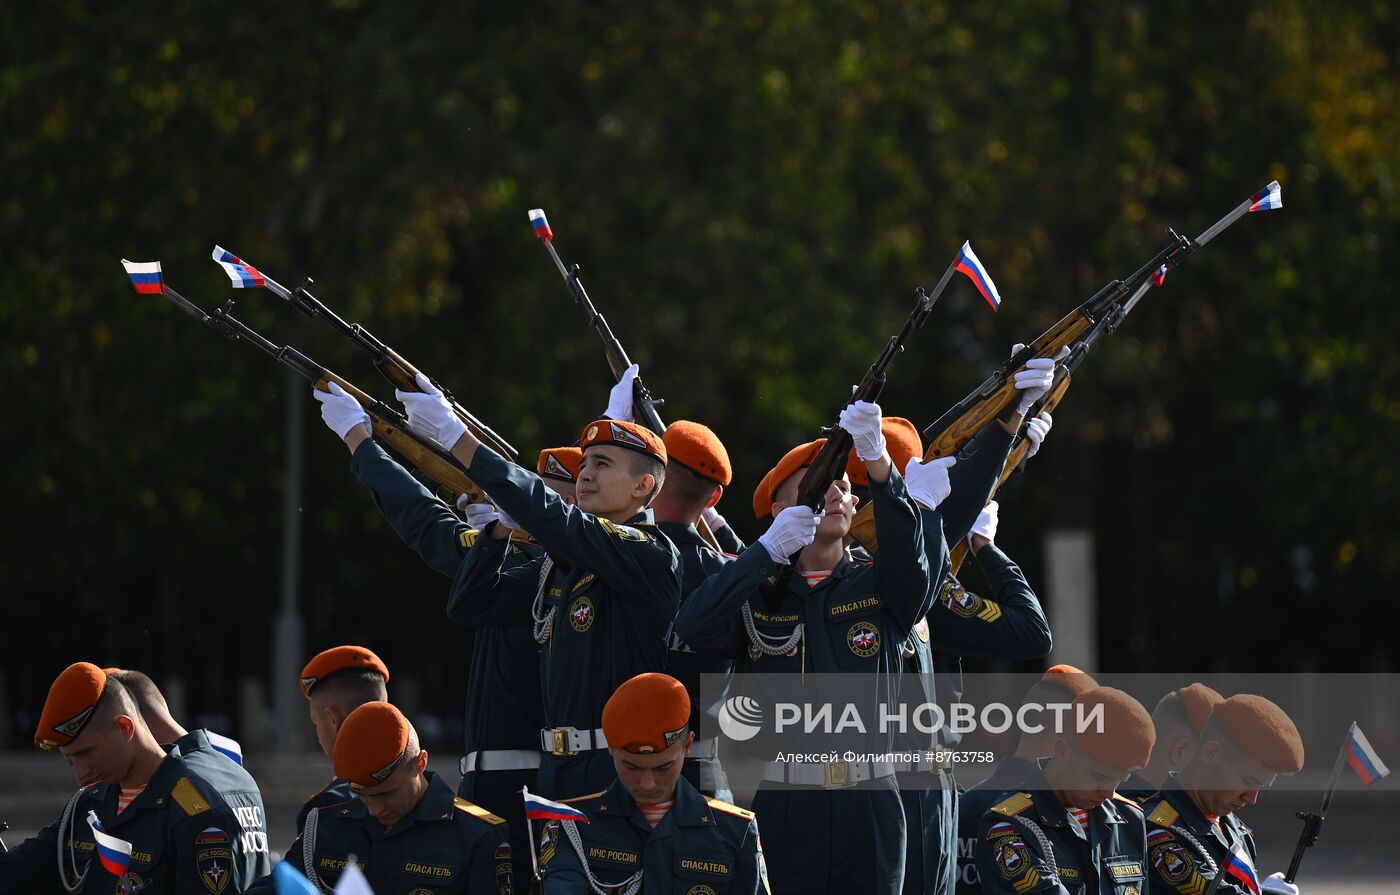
(559, 738)
(838, 774)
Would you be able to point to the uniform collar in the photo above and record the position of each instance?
(157, 792)
(1058, 815)
(688, 809)
(193, 741)
(683, 533)
(1196, 820)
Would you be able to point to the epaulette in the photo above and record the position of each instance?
(1164, 815)
(591, 795)
(727, 808)
(188, 798)
(1014, 805)
(476, 811)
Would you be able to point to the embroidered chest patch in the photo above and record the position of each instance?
(864, 639)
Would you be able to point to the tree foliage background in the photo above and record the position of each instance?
(754, 190)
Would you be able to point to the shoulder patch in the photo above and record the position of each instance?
(468, 538)
(625, 532)
(476, 811)
(188, 798)
(1164, 815)
(591, 795)
(727, 808)
(1014, 805)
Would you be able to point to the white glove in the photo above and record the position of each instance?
(1277, 885)
(986, 524)
(1037, 429)
(340, 411)
(620, 398)
(792, 529)
(928, 482)
(862, 421)
(430, 415)
(1037, 377)
(478, 515)
(711, 517)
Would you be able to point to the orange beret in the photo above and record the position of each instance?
(901, 440)
(793, 460)
(1068, 678)
(338, 658)
(111, 671)
(1199, 701)
(626, 435)
(1125, 740)
(70, 705)
(370, 744)
(648, 713)
(560, 463)
(698, 449)
(1263, 730)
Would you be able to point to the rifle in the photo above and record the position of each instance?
(388, 424)
(643, 404)
(400, 373)
(995, 398)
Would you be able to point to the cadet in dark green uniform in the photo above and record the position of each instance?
(1191, 824)
(1060, 684)
(603, 600)
(1064, 830)
(504, 707)
(405, 827)
(651, 830)
(1179, 718)
(189, 830)
(837, 614)
(697, 472)
(335, 683)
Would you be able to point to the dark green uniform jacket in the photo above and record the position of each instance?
(444, 845)
(612, 594)
(198, 827)
(504, 708)
(701, 845)
(1186, 852)
(1010, 773)
(1030, 843)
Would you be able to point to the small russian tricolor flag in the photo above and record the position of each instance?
(114, 853)
(145, 276)
(243, 274)
(540, 808)
(1362, 758)
(226, 745)
(1269, 198)
(1241, 872)
(1159, 276)
(968, 264)
(540, 223)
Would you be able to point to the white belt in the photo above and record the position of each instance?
(704, 750)
(561, 741)
(832, 775)
(499, 760)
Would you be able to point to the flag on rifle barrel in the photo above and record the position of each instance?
(1269, 198)
(243, 274)
(145, 276)
(540, 223)
(114, 853)
(967, 263)
(1362, 758)
(1159, 276)
(540, 808)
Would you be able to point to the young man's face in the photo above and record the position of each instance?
(840, 504)
(102, 753)
(607, 482)
(1230, 780)
(1088, 783)
(394, 799)
(650, 779)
